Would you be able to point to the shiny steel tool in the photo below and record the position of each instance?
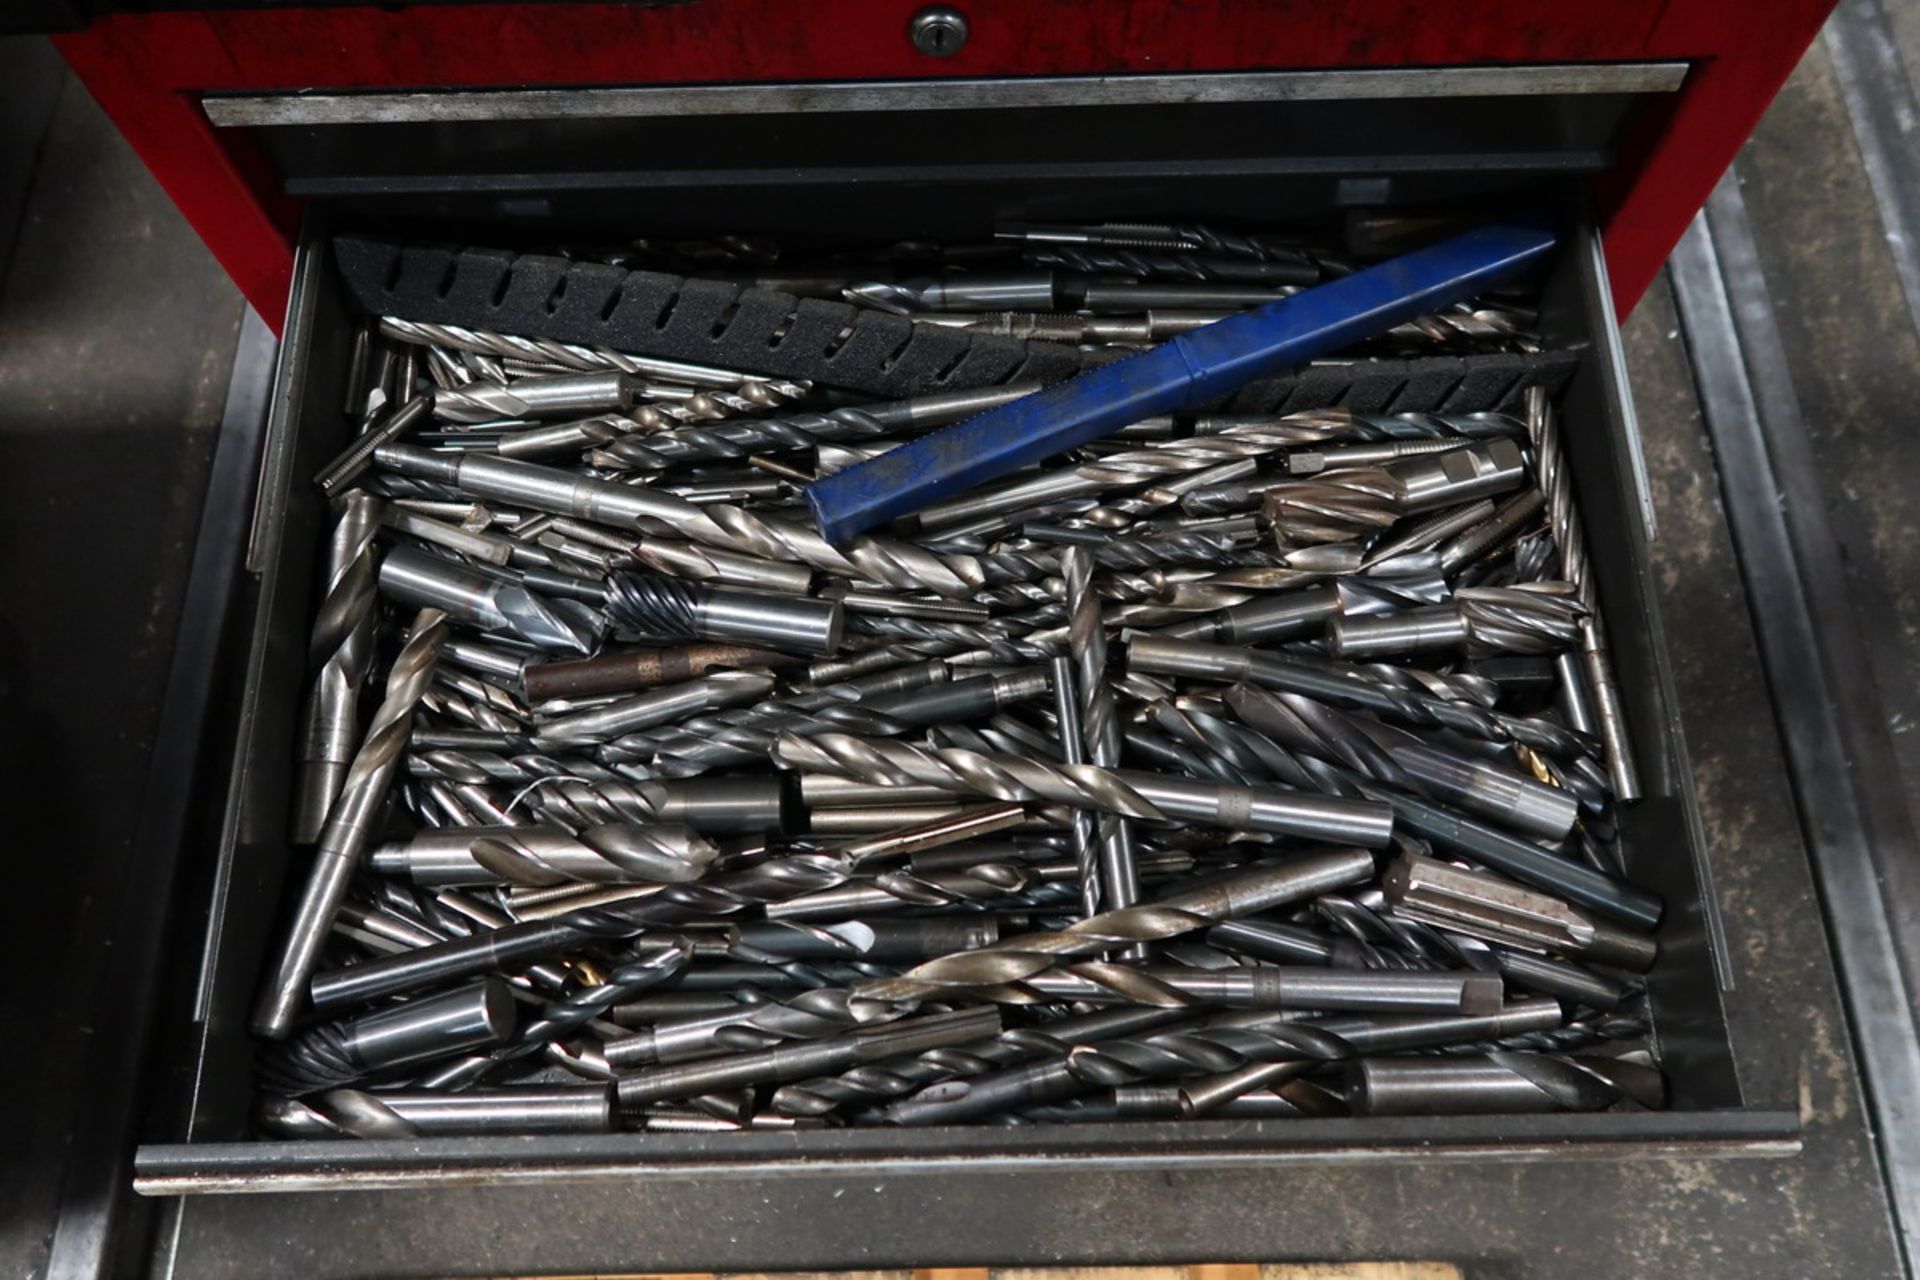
(421, 1113)
(341, 651)
(363, 793)
(1100, 729)
(656, 854)
(1207, 362)
(482, 600)
(662, 608)
(1569, 536)
(1498, 1084)
(1485, 906)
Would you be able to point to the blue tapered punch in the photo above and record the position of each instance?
(1194, 367)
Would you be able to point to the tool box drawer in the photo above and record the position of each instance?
(519, 184)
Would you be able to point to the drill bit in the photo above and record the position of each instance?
(1499, 1083)
(559, 354)
(655, 854)
(1536, 617)
(1014, 959)
(341, 652)
(893, 563)
(715, 405)
(561, 396)
(732, 441)
(1072, 740)
(1556, 481)
(485, 601)
(1209, 1047)
(664, 608)
(420, 1113)
(749, 1027)
(1170, 265)
(350, 824)
(1100, 726)
(1485, 906)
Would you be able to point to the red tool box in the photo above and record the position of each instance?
(154, 73)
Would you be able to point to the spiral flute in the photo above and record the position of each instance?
(342, 651)
(350, 824)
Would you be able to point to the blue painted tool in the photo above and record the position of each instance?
(1192, 368)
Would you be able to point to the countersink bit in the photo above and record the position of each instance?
(1537, 617)
(656, 854)
(802, 1059)
(729, 441)
(1272, 1047)
(426, 1113)
(350, 825)
(1569, 535)
(341, 652)
(656, 706)
(664, 608)
(1119, 879)
(485, 601)
(1484, 906)
(1013, 959)
(349, 1049)
(1501, 1083)
(893, 563)
(894, 1078)
(560, 354)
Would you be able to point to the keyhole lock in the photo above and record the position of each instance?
(938, 31)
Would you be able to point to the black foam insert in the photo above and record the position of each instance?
(885, 356)
(704, 321)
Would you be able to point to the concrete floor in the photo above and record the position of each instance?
(116, 332)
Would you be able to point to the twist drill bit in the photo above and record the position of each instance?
(1535, 617)
(708, 901)
(1014, 959)
(340, 653)
(1556, 481)
(897, 1077)
(810, 1015)
(965, 772)
(1266, 1045)
(1391, 702)
(1171, 265)
(666, 608)
(1398, 759)
(893, 890)
(421, 1113)
(664, 705)
(564, 395)
(801, 1059)
(714, 405)
(350, 824)
(733, 441)
(545, 856)
(1072, 740)
(1100, 727)
(644, 669)
(645, 968)
(893, 563)
(564, 355)
(1500, 1083)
